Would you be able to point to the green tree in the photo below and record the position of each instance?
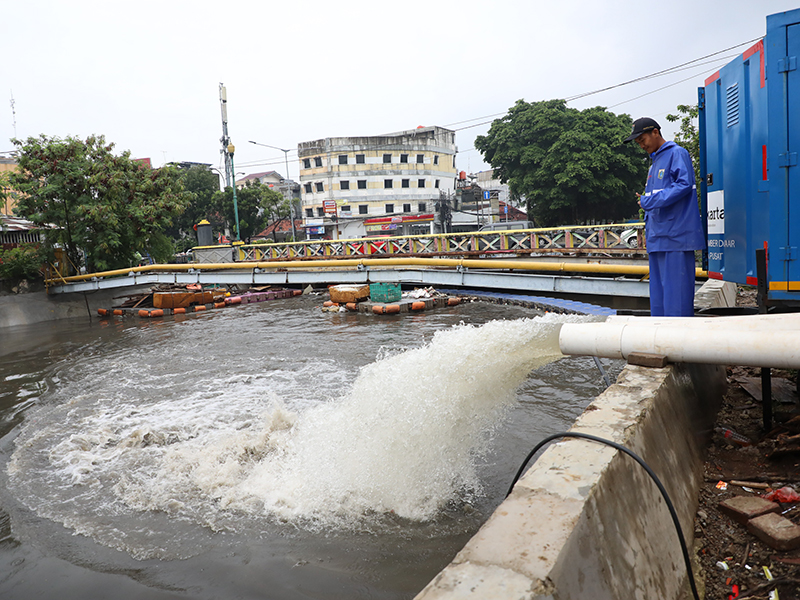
(201, 184)
(256, 203)
(104, 205)
(570, 165)
(688, 136)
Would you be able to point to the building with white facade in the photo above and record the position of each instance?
(376, 185)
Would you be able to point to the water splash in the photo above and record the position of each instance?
(403, 441)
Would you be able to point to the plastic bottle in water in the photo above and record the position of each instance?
(731, 435)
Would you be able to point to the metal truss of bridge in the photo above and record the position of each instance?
(598, 240)
(504, 261)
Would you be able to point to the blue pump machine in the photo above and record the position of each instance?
(749, 117)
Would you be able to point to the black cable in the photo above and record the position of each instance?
(644, 465)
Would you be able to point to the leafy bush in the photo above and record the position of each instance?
(23, 262)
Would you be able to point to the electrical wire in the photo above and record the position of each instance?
(644, 465)
(692, 64)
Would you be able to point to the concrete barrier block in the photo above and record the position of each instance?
(518, 538)
(486, 582)
(743, 508)
(776, 531)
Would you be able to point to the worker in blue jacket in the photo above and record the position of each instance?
(672, 221)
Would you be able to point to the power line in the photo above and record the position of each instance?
(692, 64)
(675, 69)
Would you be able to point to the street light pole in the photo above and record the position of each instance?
(289, 192)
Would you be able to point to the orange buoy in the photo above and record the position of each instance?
(194, 286)
(219, 305)
(351, 306)
(392, 309)
(102, 312)
(144, 313)
(297, 292)
(199, 307)
(453, 301)
(234, 300)
(327, 303)
(157, 313)
(378, 309)
(417, 306)
(118, 312)
(179, 311)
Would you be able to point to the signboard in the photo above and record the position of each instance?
(329, 206)
(387, 227)
(315, 230)
(487, 195)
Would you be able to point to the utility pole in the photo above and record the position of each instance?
(227, 151)
(225, 140)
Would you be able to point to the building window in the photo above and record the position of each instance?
(344, 184)
(454, 162)
(436, 159)
(308, 188)
(343, 159)
(387, 158)
(306, 163)
(406, 183)
(436, 184)
(406, 208)
(318, 161)
(309, 212)
(321, 188)
(420, 183)
(387, 183)
(422, 207)
(420, 159)
(360, 160)
(404, 158)
(389, 208)
(362, 184)
(344, 208)
(320, 211)
(363, 209)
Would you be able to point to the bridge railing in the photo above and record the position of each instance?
(616, 239)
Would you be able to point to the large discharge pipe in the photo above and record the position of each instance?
(755, 341)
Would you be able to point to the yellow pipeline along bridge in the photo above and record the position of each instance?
(574, 260)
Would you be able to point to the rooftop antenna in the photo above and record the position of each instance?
(13, 113)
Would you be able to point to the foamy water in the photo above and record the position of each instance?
(402, 439)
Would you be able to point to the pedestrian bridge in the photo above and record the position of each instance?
(603, 260)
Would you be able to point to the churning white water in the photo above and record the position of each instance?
(119, 443)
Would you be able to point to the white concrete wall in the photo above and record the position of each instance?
(586, 521)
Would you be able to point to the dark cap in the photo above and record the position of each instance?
(640, 126)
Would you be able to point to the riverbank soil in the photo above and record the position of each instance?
(731, 561)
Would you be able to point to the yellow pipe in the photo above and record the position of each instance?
(495, 264)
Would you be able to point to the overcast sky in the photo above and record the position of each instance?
(146, 74)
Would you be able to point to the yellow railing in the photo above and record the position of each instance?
(579, 239)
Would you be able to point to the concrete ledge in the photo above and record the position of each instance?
(586, 521)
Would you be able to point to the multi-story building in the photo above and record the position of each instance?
(376, 185)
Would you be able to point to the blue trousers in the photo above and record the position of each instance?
(672, 284)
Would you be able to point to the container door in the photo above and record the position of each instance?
(783, 50)
(734, 121)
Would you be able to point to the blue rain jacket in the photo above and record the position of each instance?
(672, 219)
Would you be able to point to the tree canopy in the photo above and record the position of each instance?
(106, 206)
(257, 204)
(570, 165)
(202, 185)
(688, 136)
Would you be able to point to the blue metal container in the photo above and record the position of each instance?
(749, 136)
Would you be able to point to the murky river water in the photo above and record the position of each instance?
(268, 451)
